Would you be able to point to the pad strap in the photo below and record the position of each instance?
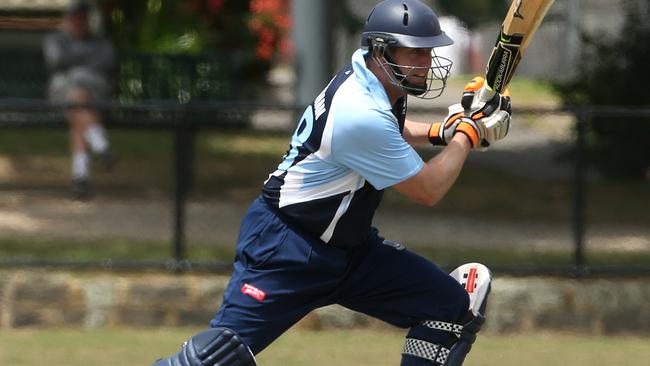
(456, 329)
(427, 350)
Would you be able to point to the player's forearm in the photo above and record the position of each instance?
(445, 167)
(437, 176)
(416, 133)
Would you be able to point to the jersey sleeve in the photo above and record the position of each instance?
(372, 145)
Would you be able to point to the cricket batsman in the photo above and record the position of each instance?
(307, 241)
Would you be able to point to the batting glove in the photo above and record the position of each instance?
(441, 133)
(482, 123)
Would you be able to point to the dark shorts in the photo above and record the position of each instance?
(281, 275)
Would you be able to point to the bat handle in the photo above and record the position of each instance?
(485, 94)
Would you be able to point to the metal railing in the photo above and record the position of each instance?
(179, 119)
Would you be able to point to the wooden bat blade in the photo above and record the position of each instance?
(519, 26)
(524, 17)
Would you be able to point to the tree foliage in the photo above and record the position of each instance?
(195, 26)
(614, 72)
(196, 49)
(154, 26)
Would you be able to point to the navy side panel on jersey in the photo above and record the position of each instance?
(316, 215)
(346, 149)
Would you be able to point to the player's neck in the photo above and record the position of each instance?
(394, 92)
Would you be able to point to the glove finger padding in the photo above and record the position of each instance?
(470, 128)
(495, 127)
(443, 133)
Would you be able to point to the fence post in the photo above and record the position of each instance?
(579, 192)
(183, 159)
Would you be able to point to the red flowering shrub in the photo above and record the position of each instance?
(270, 22)
(210, 47)
(267, 23)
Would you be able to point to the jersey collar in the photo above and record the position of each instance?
(369, 80)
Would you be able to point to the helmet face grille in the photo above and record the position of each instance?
(431, 88)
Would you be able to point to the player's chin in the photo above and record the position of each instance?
(417, 87)
(417, 80)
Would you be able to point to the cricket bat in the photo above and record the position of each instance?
(519, 27)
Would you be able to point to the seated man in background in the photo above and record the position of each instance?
(80, 65)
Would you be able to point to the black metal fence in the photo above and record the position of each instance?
(180, 121)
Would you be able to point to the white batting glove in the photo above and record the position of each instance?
(483, 123)
(494, 114)
(494, 128)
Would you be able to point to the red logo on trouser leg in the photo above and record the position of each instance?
(253, 292)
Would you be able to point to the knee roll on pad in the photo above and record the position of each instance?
(476, 279)
(214, 347)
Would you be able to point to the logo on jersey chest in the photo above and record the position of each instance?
(319, 105)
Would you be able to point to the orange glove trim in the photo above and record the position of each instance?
(453, 119)
(475, 84)
(434, 139)
(469, 131)
(478, 116)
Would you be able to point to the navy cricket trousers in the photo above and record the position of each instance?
(280, 275)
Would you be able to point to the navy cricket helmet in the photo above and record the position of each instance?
(408, 24)
(404, 23)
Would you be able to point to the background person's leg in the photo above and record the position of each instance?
(86, 135)
(89, 122)
(80, 157)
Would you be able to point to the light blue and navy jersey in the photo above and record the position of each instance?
(347, 148)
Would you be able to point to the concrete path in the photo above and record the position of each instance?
(38, 215)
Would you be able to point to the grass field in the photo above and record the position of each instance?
(117, 249)
(61, 347)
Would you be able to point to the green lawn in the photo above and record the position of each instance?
(315, 348)
(103, 250)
